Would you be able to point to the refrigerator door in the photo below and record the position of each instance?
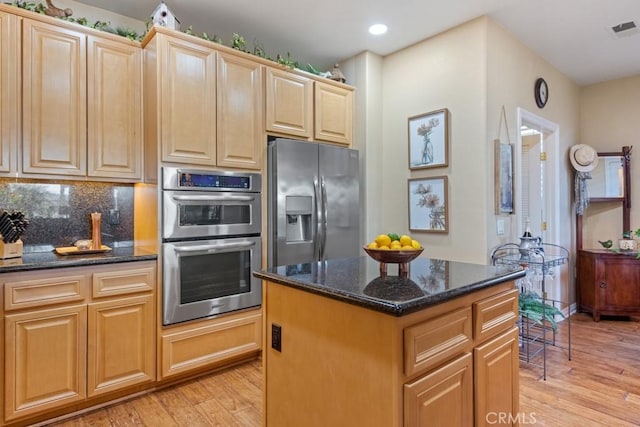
(340, 206)
(292, 202)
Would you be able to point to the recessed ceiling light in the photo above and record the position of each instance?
(377, 29)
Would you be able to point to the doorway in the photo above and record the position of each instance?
(538, 165)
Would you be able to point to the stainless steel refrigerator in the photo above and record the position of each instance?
(313, 202)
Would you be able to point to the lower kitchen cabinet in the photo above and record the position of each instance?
(74, 334)
(45, 359)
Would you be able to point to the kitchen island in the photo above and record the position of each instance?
(345, 346)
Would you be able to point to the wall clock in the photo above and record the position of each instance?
(541, 92)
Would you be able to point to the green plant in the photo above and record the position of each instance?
(532, 307)
(238, 42)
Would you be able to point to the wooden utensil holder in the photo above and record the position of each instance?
(10, 250)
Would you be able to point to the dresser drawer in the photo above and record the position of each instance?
(136, 278)
(46, 291)
(495, 315)
(436, 340)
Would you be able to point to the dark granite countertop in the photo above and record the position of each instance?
(50, 259)
(358, 281)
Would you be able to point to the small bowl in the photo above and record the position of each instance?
(83, 245)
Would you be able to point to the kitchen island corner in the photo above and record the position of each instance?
(346, 346)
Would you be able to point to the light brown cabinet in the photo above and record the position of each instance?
(452, 364)
(333, 113)
(80, 109)
(54, 99)
(289, 103)
(607, 283)
(300, 107)
(204, 106)
(9, 93)
(73, 334)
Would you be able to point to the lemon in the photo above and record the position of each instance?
(415, 244)
(405, 240)
(383, 240)
(373, 245)
(408, 248)
(384, 248)
(395, 244)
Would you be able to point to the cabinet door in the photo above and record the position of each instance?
(443, 397)
(496, 380)
(121, 344)
(114, 73)
(618, 289)
(187, 102)
(333, 113)
(45, 359)
(54, 100)
(9, 92)
(289, 103)
(240, 139)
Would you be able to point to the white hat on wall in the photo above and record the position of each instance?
(583, 157)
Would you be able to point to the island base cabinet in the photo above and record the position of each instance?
(45, 360)
(496, 380)
(443, 397)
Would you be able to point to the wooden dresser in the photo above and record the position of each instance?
(607, 283)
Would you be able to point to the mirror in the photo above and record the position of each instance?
(607, 179)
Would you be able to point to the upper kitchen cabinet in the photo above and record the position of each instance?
(333, 113)
(114, 72)
(79, 113)
(240, 138)
(289, 103)
(9, 92)
(54, 99)
(203, 103)
(305, 108)
(186, 100)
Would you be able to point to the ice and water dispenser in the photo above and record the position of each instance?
(298, 211)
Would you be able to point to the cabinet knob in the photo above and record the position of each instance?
(603, 284)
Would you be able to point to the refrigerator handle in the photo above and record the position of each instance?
(323, 225)
(318, 208)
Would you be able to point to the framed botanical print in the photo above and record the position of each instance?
(428, 204)
(429, 140)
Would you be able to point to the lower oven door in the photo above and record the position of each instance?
(207, 277)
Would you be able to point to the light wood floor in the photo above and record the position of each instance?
(600, 386)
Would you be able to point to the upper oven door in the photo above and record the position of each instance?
(197, 214)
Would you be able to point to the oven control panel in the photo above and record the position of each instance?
(210, 180)
(222, 182)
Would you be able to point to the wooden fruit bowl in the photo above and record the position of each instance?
(401, 257)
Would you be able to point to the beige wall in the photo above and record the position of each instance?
(610, 119)
(94, 14)
(473, 70)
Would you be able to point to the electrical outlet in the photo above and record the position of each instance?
(114, 216)
(276, 337)
(500, 226)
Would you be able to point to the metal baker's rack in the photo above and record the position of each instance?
(539, 262)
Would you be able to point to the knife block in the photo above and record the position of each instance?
(10, 250)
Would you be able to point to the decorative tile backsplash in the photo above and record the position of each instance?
(59, 211)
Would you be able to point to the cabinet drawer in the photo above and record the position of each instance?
(39, 292)
(123, 281)
(494, 315)
(436, 340)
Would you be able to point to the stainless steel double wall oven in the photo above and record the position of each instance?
(211, 242)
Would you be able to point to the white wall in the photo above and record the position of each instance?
(610, 119)
(94, 14)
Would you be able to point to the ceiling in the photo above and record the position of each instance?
(573, 35)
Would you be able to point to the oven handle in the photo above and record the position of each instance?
(213, 248)
(195, 198)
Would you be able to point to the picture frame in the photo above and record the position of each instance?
(428, 204)
(428, 136)
(503, 179)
